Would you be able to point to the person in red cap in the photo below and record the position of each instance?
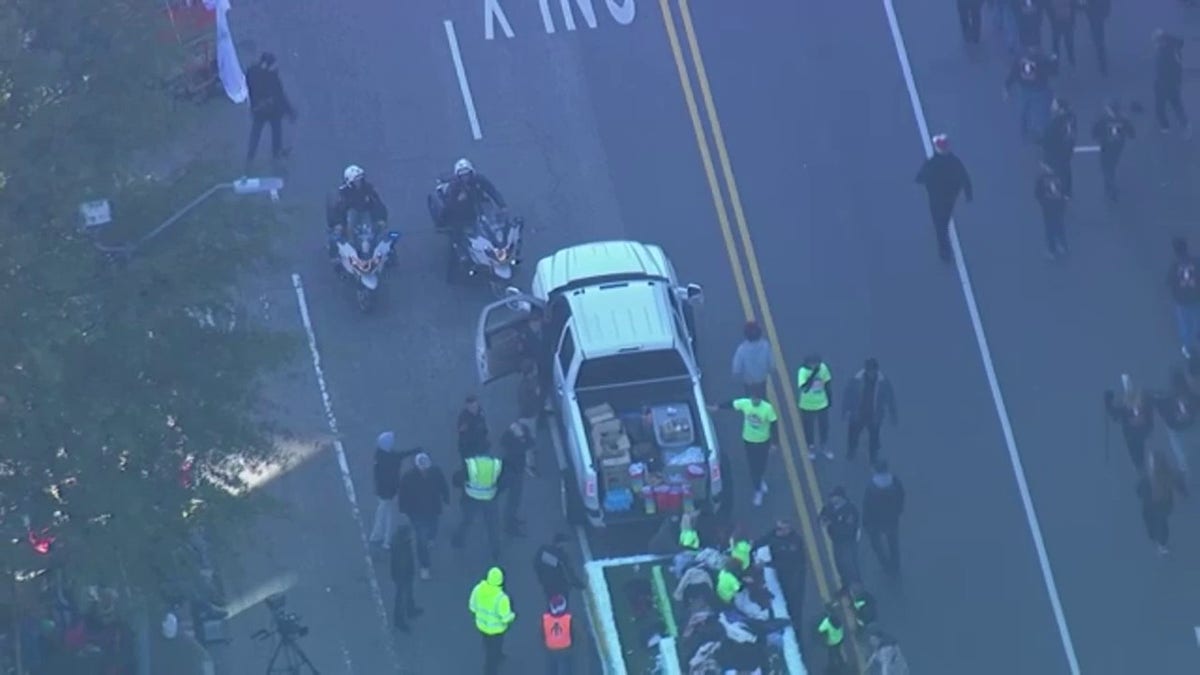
(944, 177)
(558, 634)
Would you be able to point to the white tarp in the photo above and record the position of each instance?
(228, 66)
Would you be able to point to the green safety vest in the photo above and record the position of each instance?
(492, 609)
(728, 586)
(756, 419)
(816, 398)
(483, 473)
(689, 539)
(740, 551)
(833, 635)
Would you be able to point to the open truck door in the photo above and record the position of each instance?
(502, 335)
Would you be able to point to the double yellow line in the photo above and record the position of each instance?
(825, 573)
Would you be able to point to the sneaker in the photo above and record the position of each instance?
(425, 574)
(812, 451)
(758, 497)
(1163, 550)
(1187, 353)
(762, 487)
(828, 453)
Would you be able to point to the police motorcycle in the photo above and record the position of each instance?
(362, 251)
(488, 249)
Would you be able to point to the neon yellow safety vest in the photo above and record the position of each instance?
(689, 539)
(483, 473)
(740, 551)
(832, 634)
(728, 586)
(756, 419)
(492, 609)
(816, 398)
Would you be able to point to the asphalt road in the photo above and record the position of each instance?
(590, 137)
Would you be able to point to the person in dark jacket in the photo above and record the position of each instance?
(552, 566)
(465, 195)
(790, 560)
(531, 399)
(944, 177)
(1029, 16)
(386, 474)
(515, 444)
(1111, 132)
(269, 104)
(1058, 143)
(1097, 12)
(1031, 73)
(883, 503)
(404, 606)
(423, 494)
(1183, 279)
(970, 20)
(1051, 196)
(472, 429)
(843, 525)
(1168, 80)
(1156, 491)
(869, 400)
(1179, 409)
(1136, 418)
(1062, 27)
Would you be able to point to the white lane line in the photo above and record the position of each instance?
(1197, 629)
(344, 469)
(985, 353)
(463, 86)
(1087, 148)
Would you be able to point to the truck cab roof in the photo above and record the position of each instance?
(600, 260)
(623, 316)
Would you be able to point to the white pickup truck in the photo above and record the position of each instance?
(617, 349)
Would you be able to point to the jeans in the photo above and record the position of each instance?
(1054, 218)
(473, 509)
(1169, 96)
(1035, 109)
(816, 426)
(886, 544)
(558, 662)
(256, 127)
(384, 523)
(425, 531)
(856, 429)
(1187, 321)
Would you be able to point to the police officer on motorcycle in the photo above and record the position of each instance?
(464, 195)
(356, 201)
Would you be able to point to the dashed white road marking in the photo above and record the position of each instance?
(1087, 148)
(463, 86)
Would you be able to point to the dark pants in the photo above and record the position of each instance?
(1054, 219)
(1061, 163)
(1062, 34)
(512, 500)
(493, 653)
(941, 209)
(471, 510)
(1096, 28)
(856, 428)
(816, 426)
(404, 606)
(756, 458)
(1136, 445)
(1035, 109)
(425, 531)
(970, 19)
(845, 559)
(1168, 96)
(885, 541)
(1108, 169)
(1187, 322)
(836, 665)
(793, 587)
(256, 127)
(558, 661)
(1155, 515)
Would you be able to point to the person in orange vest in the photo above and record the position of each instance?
(558, 634)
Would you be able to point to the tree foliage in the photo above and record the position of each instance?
(108, 381)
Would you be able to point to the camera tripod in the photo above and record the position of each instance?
(289, 659)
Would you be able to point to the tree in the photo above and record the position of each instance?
(110, 386)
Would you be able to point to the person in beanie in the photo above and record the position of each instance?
(752, 360)
(1058, 143)
(268, 105)
(403, 569)
(552, 567)
(386, 473)
(1031, 73)
(869, 399)
(1168, 80)
(423, 495)
(1183, 278)
(883, 503)
(1052, 197)
(842, 524)
(558, 636)
(944, 177)
(1111, 132)
(472, 429)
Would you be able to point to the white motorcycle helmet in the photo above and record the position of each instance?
(353, 173)
(464, 167)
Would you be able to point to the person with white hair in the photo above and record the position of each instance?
(944, 177)
(423, 493)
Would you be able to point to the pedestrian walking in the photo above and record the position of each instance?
(1062, 28)
(1031, 73)
(789, 558)
(552, 567)
(479, 478)
(558, 635)
(831, 632)
(970, 19)
(1178, 408)
(1097, 12)
(886, 657)
(1156, 492)
(1136, 418)
(531, 399)
(1030, 14)
(758, 436)
(815, 381)
(404, 607)
(1183, 278)
(1168, 81)
(472, 428)
(423, 494)
(944, 177)
(752, 360)
(1051, 196)
(514, 443)
(842, 524)
(386, 474)
(883, 504)
(869, 400)
(269, 105)
(1111, 132)
(1058, 142)
(493, 613)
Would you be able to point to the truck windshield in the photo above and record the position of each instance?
(618, 369)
